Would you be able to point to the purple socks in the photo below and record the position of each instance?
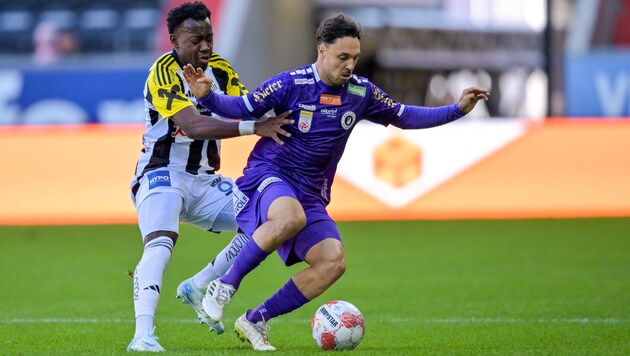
(286, 300)
(249, 258)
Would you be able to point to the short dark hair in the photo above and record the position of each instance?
(337, 26)
(191, 10)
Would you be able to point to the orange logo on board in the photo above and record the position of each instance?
(328, 99)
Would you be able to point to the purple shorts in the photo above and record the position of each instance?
(319, 226)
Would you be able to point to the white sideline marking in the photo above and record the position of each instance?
(294, 321)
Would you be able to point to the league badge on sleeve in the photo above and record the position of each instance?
(304, 123)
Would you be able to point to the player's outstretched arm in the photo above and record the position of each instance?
(231, 107)
(470, 97)
(200, 127)
(420, 117)
(200, 86)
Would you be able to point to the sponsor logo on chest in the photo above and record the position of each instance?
(356, 89)
(329, 112)
(328, 99)
(307, 107)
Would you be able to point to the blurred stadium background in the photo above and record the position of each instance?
(517, 266)
(552, 141)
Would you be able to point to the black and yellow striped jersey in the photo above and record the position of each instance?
(166, 93)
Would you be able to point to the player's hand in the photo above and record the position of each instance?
(197, 81)
(273, 126)
(470, 97)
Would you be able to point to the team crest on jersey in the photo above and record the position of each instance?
(159, 179)
(348, 119)
(304, 123)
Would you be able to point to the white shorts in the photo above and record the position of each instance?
(167, 197)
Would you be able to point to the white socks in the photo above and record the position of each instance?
(221, 263)
(147, 282)
(147, 278)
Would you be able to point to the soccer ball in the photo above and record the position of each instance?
(338, 325)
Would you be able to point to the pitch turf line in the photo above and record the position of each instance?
(292, 321)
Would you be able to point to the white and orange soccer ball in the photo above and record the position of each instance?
(338, 325)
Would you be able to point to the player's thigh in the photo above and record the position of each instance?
(286, 208)
(213, 207)
(317, 243)
(255, 209)
(160, 211)
(281, 205)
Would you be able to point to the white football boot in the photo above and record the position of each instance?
(193, 296)
(255, 334)
(146, 343)
(218, 295)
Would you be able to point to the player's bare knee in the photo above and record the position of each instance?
(335, 268)
(340, 267)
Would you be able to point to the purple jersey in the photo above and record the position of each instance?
(324, 118)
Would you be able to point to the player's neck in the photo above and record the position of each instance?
(324, 79)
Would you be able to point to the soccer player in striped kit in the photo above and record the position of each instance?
(175, 178)
(281, 199)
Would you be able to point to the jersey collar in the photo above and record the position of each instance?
(177, 59)
(315, 72)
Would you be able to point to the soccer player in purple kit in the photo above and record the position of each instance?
(282, 197)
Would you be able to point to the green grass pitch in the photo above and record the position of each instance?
(513, 287)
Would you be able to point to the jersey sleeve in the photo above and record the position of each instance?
(234, 86)
(165, 90)
(269, 95)
(381, 109)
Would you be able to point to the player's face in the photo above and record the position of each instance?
(338, 59)
(193, 42)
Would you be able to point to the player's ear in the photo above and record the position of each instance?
(173, 38)
(321, 48)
